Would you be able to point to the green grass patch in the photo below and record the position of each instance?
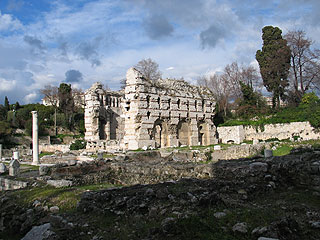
(65, 198)
(45, 154)
(282, 150)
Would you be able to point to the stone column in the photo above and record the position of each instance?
(35, 139)
(16, 155)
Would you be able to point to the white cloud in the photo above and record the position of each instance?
(7, 85)
(103, 38)
(9, 23)
(31, 97)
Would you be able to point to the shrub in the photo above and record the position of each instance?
(78, 144)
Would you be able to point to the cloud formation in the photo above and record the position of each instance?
(211, 36)
(15, 5)
(88, 51)
(73, 76)
(41, 43)
(157, 27)
(9, 23)
(34, 42)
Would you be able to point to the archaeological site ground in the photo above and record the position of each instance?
(152, 164)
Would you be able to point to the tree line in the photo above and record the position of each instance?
(60, 112)
(289, 68)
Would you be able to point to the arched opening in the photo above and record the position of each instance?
(157, 136)
(203, 133)
(183, 132)
(148, 101)
(113, 126)
(102, 132)
(160, 134)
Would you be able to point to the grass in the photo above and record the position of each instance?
(286, 146)
(282, 150)
(65, 198)
(45, 154)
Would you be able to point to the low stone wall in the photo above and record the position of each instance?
(54, 147)
(232, 134)
(8, 153)
(239, 151)
(281, 131)
(135, 168)
(8, 184)
(302, 130)
(107, 145)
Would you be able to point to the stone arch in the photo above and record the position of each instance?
(160, 133)
(184, 132)
(203, 133)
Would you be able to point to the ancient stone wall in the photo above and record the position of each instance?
(103, 121)
(54, 147)
(161, 114)
(233, 134)
(166, 113)
(301, 130)
(281, 131)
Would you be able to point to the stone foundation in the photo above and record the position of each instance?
(8, 184)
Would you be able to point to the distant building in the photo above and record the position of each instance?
(78, 98)
(269, 101)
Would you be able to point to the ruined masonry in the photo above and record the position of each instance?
(166, 113)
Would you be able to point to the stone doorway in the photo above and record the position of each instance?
(203, 133)
(184, 133)
(160, 134)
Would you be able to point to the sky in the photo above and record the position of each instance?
(47, 42)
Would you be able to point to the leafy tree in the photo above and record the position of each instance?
(17, 106)
(51, 94)
(5, 129)
(3, 113)
(226, 86)
(274, 62)
(251, 102)
(304, 63)
(310, 98)
(149, 69)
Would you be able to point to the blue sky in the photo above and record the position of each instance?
(83, 41)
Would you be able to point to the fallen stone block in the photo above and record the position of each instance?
(60, 183)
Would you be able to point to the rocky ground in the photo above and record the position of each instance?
(257, 198)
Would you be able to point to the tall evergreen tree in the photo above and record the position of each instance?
(66, 103)
(6, 103)
(274, 62)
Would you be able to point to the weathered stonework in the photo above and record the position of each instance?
(162, 114)
(103, 121)
(232, 134)
(281, 131)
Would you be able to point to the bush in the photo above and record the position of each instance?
(78, 144)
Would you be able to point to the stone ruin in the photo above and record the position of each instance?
(166, 113)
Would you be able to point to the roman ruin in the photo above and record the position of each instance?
(146, 114)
